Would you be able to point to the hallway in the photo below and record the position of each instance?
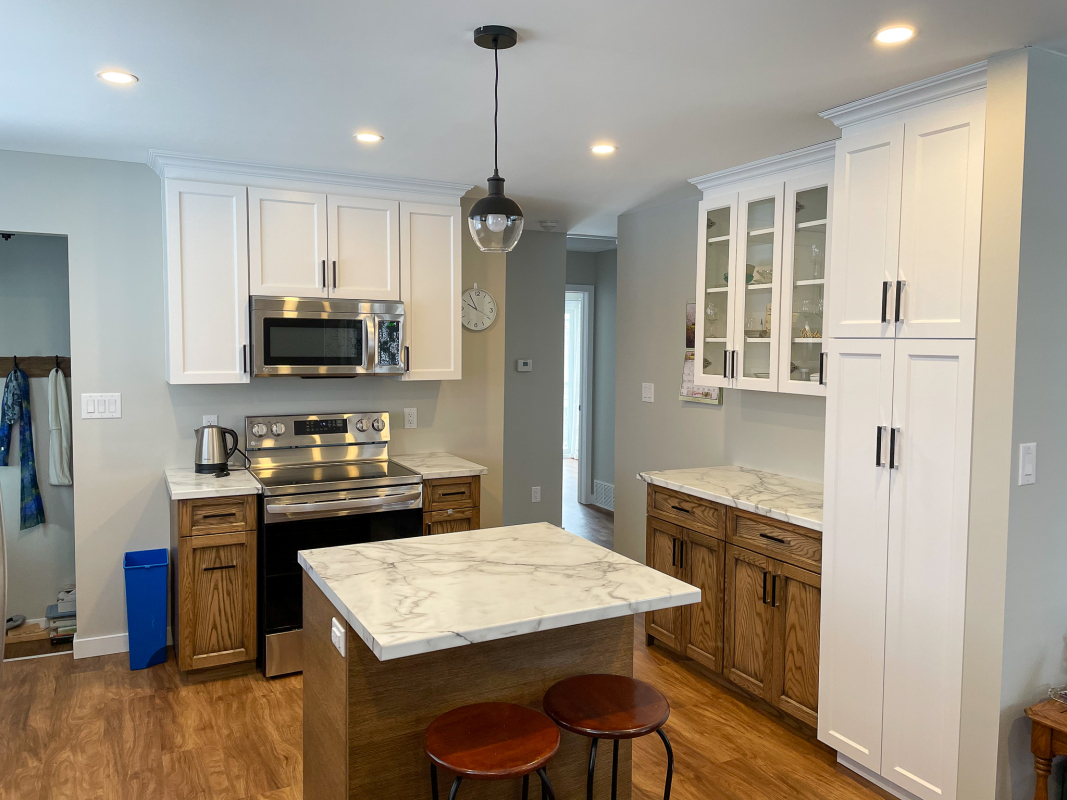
(590, 522)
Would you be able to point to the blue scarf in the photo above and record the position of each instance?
(16, 408)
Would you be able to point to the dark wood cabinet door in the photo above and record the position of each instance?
(664, 543)
(217, 599)
(796, 595)
(704, 560)
(451, 521)
(749, 622)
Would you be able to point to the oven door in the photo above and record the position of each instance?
(388, 345)
(304, 341)
(342, 504)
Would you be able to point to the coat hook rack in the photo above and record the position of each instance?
(34, 366)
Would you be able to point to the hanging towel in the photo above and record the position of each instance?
(59, 469)
(15, 407)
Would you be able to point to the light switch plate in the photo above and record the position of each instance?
(337, 635)
(524, 365)
(411, 418)
(648, 392)
(535, 494)
(211, 419)
(1027, 464)
(101, 406)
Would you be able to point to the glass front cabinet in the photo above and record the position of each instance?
(762, 266)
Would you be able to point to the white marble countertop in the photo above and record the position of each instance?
(187, 484)
(439, 465)
(429, 593)
(775, 496)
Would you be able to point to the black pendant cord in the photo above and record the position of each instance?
(496, 112)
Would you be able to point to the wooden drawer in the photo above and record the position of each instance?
(688, 511)
(792, 544)
(451, 520)
(216, 515)
(445, 493)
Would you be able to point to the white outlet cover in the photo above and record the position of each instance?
(337, 635)
(535, 494)
(411, 418)
(648, 392)
(1027, 464)
(211, 419)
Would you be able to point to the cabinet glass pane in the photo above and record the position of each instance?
(809, 261)
(759, 272)
(716, 300)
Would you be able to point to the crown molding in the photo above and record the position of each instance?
(591, 243)
(940, 87)
(796, 159)
(181, 165)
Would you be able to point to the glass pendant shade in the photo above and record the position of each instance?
(495, 221)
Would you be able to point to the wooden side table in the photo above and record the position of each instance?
(1048, 738)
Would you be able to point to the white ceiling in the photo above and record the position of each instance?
(684, 88)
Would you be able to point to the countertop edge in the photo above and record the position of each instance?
(430, 473)
(202, 492)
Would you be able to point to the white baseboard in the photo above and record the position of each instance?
(604, 495)
(875, 778)
(93, 646)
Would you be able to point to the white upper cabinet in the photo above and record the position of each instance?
(207, 282)
(757, 281)
(286, 243)
(907, 223)
(716, 245)
(431, 278)
(364, 248)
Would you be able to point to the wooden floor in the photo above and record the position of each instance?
(92, 730)
(589, 522)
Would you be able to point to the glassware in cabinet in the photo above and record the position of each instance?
(761, 253)
(714, 291)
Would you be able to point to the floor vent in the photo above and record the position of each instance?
(604, 495)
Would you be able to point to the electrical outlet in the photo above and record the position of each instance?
(211, 419)
(648, 392)
(535, 494)
(411, 418)
(101, 406)
(337, 635)
(1027, 464)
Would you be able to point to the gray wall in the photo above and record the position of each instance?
(111, 214)
(775, 432)
(533, 401)
(34, 296)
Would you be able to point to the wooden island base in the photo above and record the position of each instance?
(364, 719)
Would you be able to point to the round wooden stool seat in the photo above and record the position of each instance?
(492, 741)
(606, 706)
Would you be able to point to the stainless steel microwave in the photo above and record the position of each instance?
(326, 338)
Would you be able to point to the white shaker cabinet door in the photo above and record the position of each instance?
(431, 279)
(364, 248)
(866, 233)
(207, 282)
(933, 390)
(941, 223)
(286, 243)
(859, 394)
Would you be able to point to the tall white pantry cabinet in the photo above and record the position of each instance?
(234, 230)
(900, 388)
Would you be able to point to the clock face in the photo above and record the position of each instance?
(479, 309)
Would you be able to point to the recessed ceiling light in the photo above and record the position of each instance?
(369, 138)
(894, 34)
(604, 149)
(115, 76)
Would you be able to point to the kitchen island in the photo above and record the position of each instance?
(432, 623)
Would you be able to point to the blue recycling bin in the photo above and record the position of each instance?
(146, 605)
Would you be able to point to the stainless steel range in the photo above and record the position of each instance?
(327, 481)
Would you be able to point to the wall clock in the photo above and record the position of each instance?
(479, 309)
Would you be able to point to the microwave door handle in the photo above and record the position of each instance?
(370, 339)
(340, 505)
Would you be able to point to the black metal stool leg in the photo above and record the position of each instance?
(526, 787)
(455, 788)
(592, 769)
(670, 763)
(433, 781)
(547, 792)
(614, 769)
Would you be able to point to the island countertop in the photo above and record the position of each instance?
(428, 593)
(775, 496)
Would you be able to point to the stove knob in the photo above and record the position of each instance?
(259, 429)
(277, 428)
(361, 425)
(378, 424)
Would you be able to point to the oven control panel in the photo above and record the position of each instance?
(315, 430)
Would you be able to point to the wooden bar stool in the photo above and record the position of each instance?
(492, 742)
(610, 707)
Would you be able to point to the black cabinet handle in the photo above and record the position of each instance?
(772, 538)
(334, 274)
(244, 359)
(764, 588)
(407, 358)
(733, 363)
(885, 300)
(451, 494)
(726, 363)
(897, 316)
(822, 368)
(893, 462)
(774, 591)
(324, 273)
(681, 550)
(220, 514)
(683, 510)
(879, 433)
(674, 552)
(224, 566)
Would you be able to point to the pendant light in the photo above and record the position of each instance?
(495, 221)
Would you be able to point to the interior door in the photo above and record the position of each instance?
(704, 568)
(859, 397)
(758, 283)
(933, 392)
(749, 625)
(713, 338)
(795, 594)
(286, 243)
(363, 251)
(866, 236)
(941, 223)
(664, 542)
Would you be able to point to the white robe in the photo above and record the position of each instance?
(59, 461)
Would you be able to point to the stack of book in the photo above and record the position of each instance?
(63, 617)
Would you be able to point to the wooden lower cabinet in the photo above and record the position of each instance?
(749, 628)
(450, 505)
(704, 568)
(664, 542)
(796, 642)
